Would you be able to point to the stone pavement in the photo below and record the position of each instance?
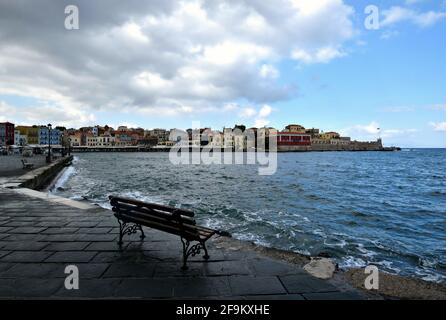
(11, 165)
(39, 238)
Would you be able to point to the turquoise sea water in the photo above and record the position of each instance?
(388, 209)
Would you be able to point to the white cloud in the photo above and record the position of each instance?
(388, 34)
(322, 55)
(259, 117)
(269, 71)
(259, 123)
(411, 2)
(438, 126)
(398, 109)
(373, 130)
(438, 107)
(164, 57)
(398, 14)
(248, 112)
(265, 111)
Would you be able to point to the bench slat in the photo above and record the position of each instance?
(172, 220)
(153, 212)
(168, 222)
(151, 206)
(187, 234)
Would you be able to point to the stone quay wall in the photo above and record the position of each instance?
(41, 177)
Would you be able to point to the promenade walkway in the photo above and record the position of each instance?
(11, 165)
(40, 236)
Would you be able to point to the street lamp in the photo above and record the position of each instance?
(69, 146)
(48, 158)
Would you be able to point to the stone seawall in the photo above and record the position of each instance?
(354, 146)
(41, 177)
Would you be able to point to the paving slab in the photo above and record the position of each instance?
(26, 256)
(72, 256)
(250, 285)
(130, 270)
(66, 246)
(142, 288)
(306, 284)
(41, 235)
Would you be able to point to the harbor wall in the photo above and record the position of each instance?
(41, 177)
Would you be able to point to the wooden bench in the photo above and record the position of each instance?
(133, 214)
(27, 165)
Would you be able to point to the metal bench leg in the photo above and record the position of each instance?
(124, 228)
(185, 253)
(121, 227)
(142, 232)
(192, 251)
(206, 255)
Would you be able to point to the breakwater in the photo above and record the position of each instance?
(39, 178)
(314, 148)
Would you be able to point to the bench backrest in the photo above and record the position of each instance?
(169, 219)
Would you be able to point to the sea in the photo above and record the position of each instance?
(360, 208)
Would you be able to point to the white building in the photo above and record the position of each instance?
(20, 140)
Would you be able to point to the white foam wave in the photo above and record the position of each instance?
(67, 173)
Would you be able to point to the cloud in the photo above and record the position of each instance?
(398, 14)
(438, 107)
(398, 109)
(388, 34)
(438, 126)
(163, 57)
(373, 130)
(247, 112)
(269, 71)
(259, 117)
(42, 113)
(260, 123)
(265, 111)
(322, 55)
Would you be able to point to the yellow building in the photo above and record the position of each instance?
(32, 132)
(295, 128)
(330, 135)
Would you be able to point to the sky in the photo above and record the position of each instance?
(170, 64)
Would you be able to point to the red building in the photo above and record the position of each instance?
(6, 134)
(293, 139)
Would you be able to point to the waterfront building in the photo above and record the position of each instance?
(105, 140)
(31, 132)
(314, 133)
(294, 128)
(330, 135)
(19, 139)
(53, 136)
(148, 141)
(6, 133)
(263, 137)
(161, 134)
(293, 139)
(92, 141)
(76, 139)
(216, 139)
(127, 138)
(228, 138)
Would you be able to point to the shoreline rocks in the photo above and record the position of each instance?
(322, 268)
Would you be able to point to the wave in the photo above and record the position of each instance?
(70, 171)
